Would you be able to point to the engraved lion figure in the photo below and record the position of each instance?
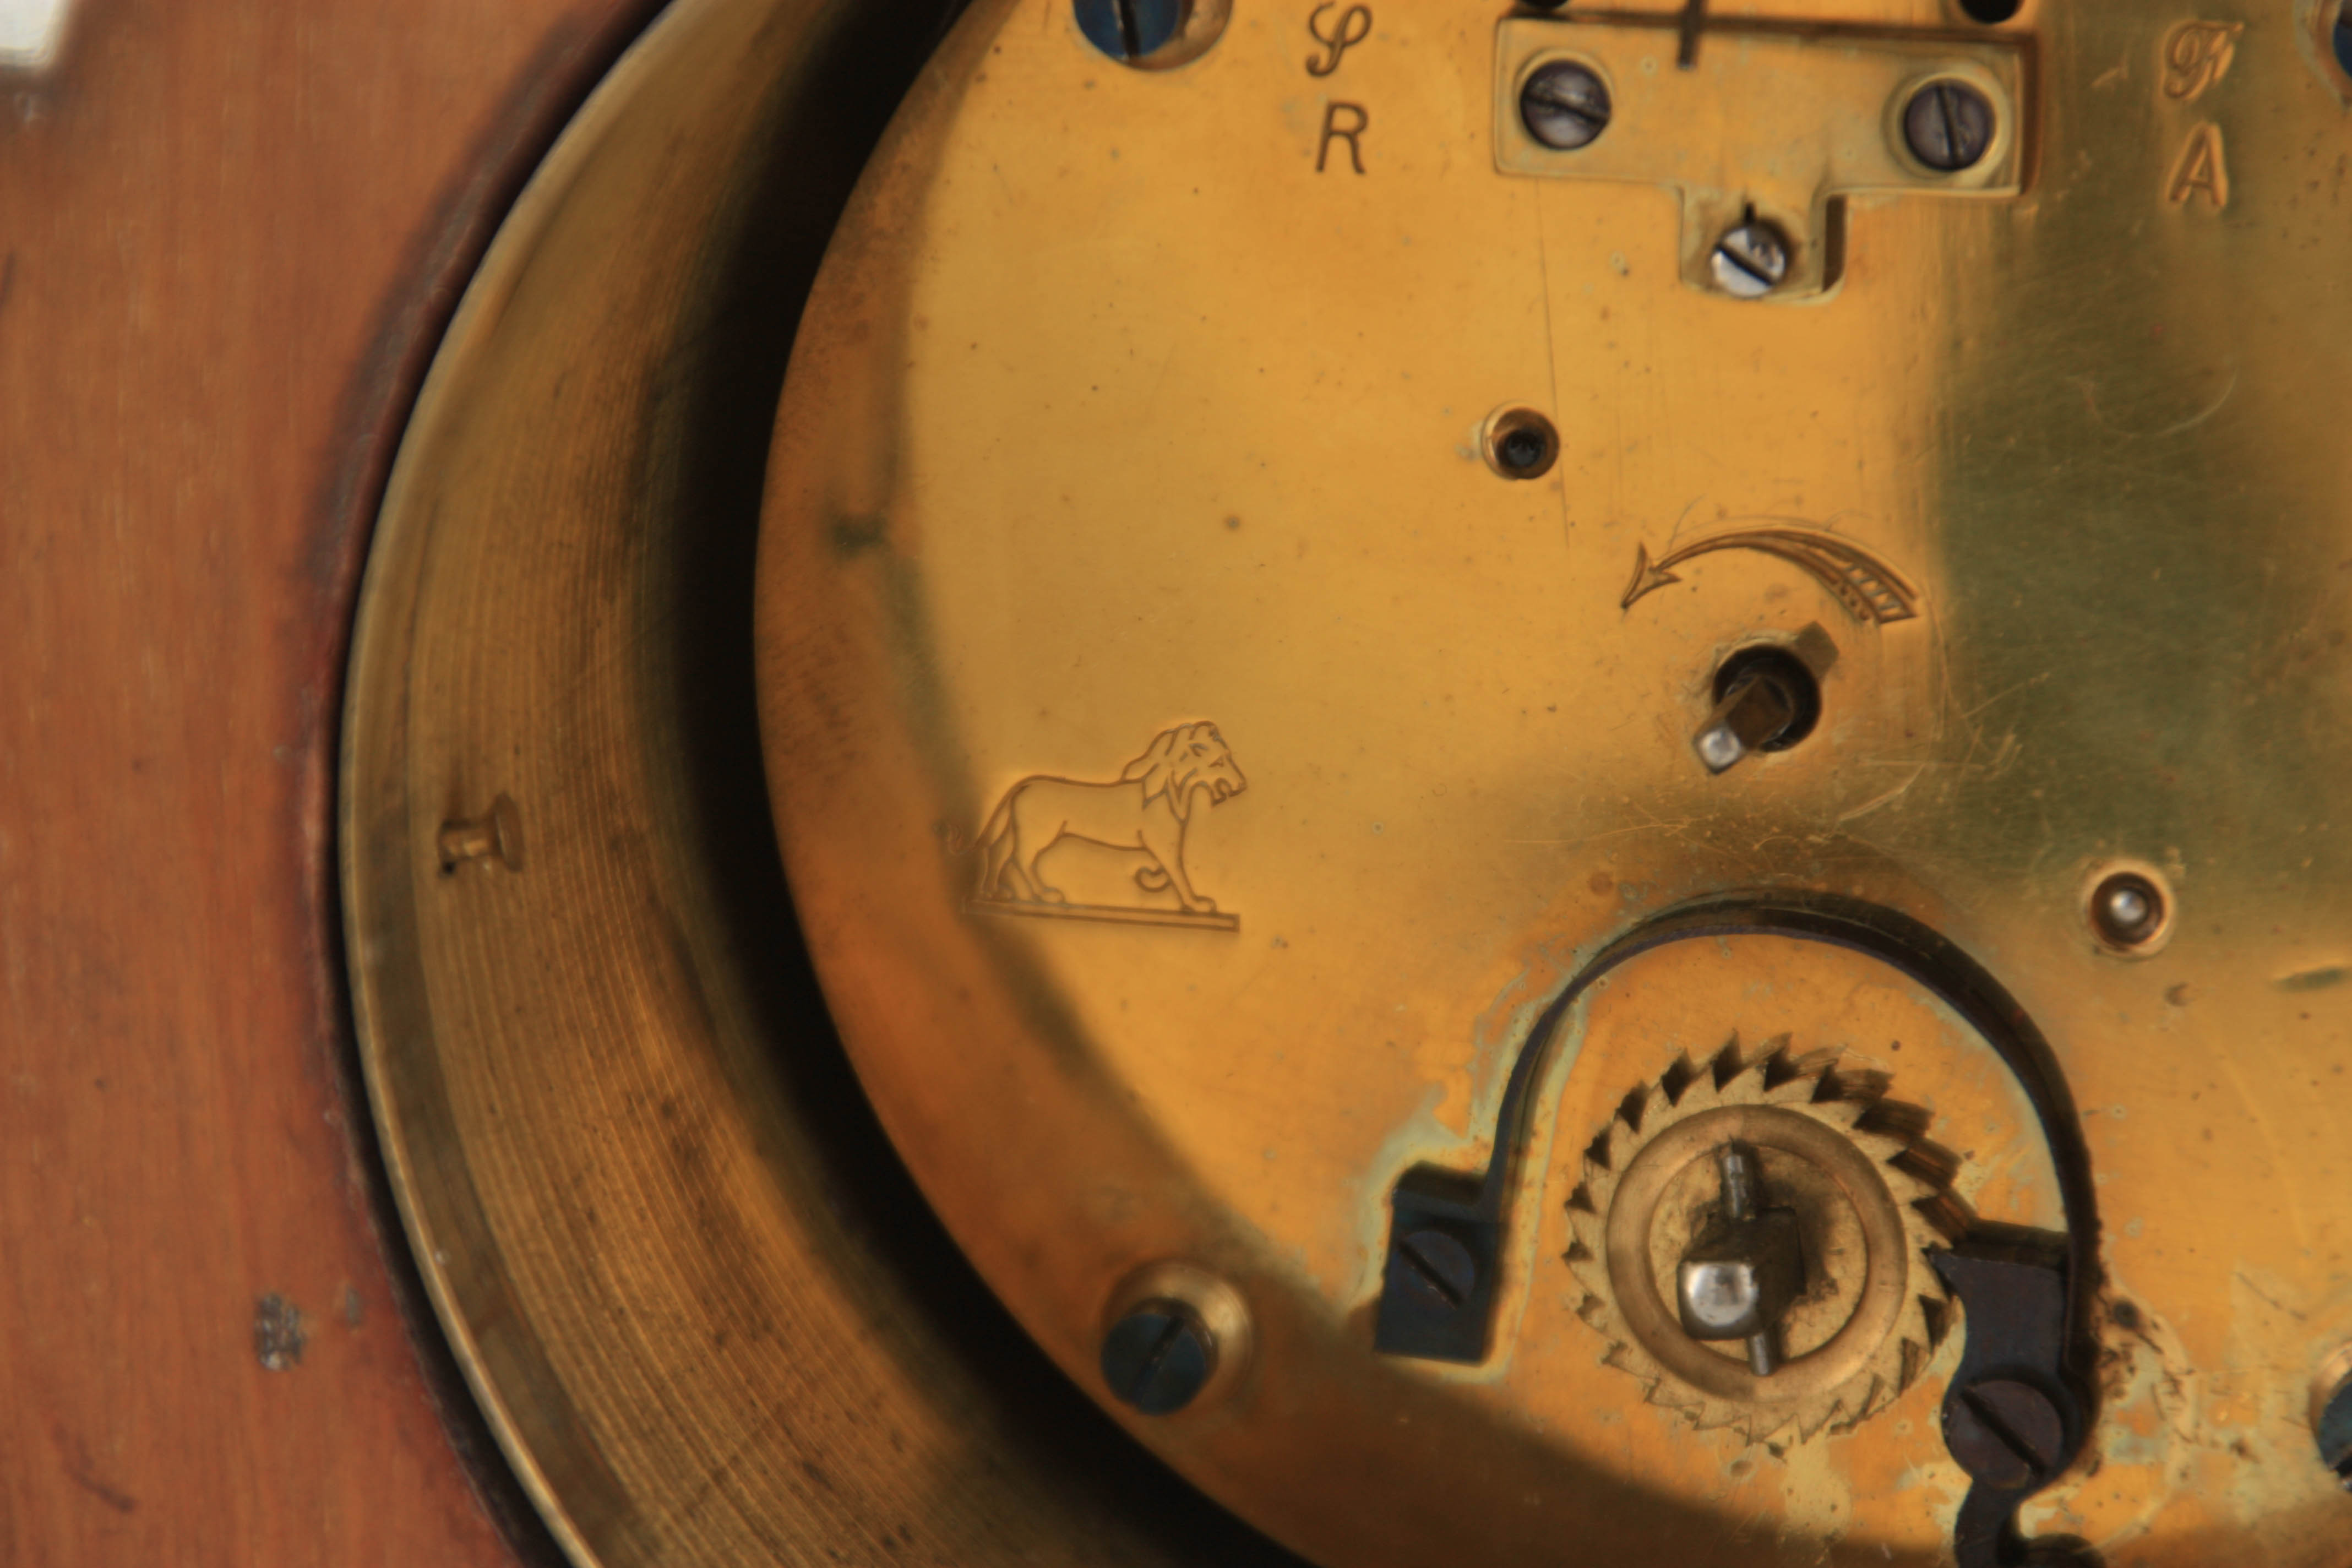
(1146, 809)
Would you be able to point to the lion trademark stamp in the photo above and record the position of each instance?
(1144, 813)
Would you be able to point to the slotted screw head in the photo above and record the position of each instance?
(2006, 1434)
(1565, 106)
(1751, 261)
(1129, 30)
(1159, 1357)
(1948, 126)
(1438, 1267)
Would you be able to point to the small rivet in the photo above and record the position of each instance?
(2127, 910)
(495, 838)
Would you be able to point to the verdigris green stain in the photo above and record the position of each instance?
(852, 537)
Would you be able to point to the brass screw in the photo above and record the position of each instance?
(497, 838)
(1565, 106)
(1751, 261)
(1948, 126)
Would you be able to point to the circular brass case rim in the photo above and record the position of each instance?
(1633, 1211)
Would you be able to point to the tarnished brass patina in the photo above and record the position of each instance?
(1131, 402)
(1250, 541)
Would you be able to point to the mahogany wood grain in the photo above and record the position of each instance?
(229, 233)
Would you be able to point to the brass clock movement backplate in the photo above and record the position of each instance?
(1570, 776)
(1208, 751)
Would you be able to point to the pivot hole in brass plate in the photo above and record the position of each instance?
(1766, 698)
(1521, 443)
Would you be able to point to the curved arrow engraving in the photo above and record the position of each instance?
(1873, 592)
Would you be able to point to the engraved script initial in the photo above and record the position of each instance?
(2196, 56)
(1354, 25)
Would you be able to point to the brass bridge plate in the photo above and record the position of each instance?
(1777, 119)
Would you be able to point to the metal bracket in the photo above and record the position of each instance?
(1771, 119)
(2014, 1412)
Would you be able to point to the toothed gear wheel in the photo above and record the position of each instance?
(1874, 1200)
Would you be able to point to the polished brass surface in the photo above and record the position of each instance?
(1135, 401)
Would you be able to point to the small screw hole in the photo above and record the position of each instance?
(1992, 11)
(1521, 443)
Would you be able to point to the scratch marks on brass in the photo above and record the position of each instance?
(1145, 812)
(1869, 589)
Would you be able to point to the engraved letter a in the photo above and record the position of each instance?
(2202, 167)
